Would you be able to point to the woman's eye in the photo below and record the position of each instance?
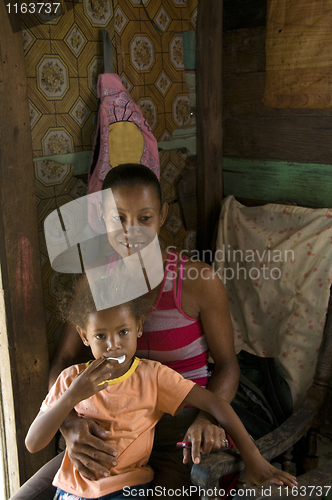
(146, 218)
(124, 332)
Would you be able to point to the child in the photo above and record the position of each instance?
(129, 403)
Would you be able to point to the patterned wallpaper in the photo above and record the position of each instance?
(63, 60)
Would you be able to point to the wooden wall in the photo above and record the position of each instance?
(23, 358)
(253, 130)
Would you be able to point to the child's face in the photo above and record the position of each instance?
(138, 209)
(113, 333)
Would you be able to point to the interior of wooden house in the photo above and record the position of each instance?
(238, 96)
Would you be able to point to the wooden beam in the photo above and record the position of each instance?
(23, 353)
(255, 131)
(306, 184)
(209, 118)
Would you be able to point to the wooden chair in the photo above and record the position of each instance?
(311, 414)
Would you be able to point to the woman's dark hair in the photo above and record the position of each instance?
(132, 174)
(77, 307)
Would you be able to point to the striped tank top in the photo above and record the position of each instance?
(170, 336)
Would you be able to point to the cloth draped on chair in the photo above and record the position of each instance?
(275, 261)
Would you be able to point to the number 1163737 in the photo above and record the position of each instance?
(301, 491)
(33, 7)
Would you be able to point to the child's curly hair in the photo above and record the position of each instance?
(77, 307)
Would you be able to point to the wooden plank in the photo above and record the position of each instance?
(244, 50)
(305, 184)
(209, 118)
(243, 94)
(244, 13)
(189, 50)
(23, 353)
(283, 138)
(253, 130)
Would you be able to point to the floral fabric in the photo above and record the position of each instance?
(275, 262)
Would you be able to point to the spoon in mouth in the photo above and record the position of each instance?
(120, 359)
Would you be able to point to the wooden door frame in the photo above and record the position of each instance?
(208, 118)
(24, 350)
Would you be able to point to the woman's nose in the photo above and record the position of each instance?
(132, 229)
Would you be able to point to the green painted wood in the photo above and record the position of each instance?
(183, 142)
(80, 160)
(182, 138)
(189, 49)
(308, 184)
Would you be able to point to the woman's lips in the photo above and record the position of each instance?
(120, 359)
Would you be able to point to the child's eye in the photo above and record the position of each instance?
(146, 218)
(100, 336)
(124, 332)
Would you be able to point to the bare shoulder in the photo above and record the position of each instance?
(202, 287)
(201, 274)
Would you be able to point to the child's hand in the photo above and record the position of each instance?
(260, 473)
(90, 381)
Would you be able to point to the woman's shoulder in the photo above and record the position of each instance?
(190, 260)
(195, 267)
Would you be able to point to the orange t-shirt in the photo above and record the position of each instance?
(129, 408)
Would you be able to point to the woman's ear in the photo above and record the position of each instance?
(163, 214)
(82, 334)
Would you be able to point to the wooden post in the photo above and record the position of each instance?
(209, 118)
(23, 342)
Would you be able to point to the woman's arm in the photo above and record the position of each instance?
(83, 386)
(205, 296)
(258, 470)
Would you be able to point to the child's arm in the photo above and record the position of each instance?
(258, 470)
(85, 385)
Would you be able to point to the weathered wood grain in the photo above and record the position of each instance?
(23, 353)
(209, 118)
(307, 184)
(253, 130)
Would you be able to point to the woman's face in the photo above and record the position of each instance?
(138, 210)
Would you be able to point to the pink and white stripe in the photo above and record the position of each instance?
(172, 337)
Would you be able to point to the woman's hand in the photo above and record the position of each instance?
(259, 472)
(205, 437)
(86, 447)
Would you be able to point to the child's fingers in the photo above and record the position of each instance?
(269, 476)
(283, 479)
(100, 370)
(95, 364)
(286, 478)
(101, 386)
